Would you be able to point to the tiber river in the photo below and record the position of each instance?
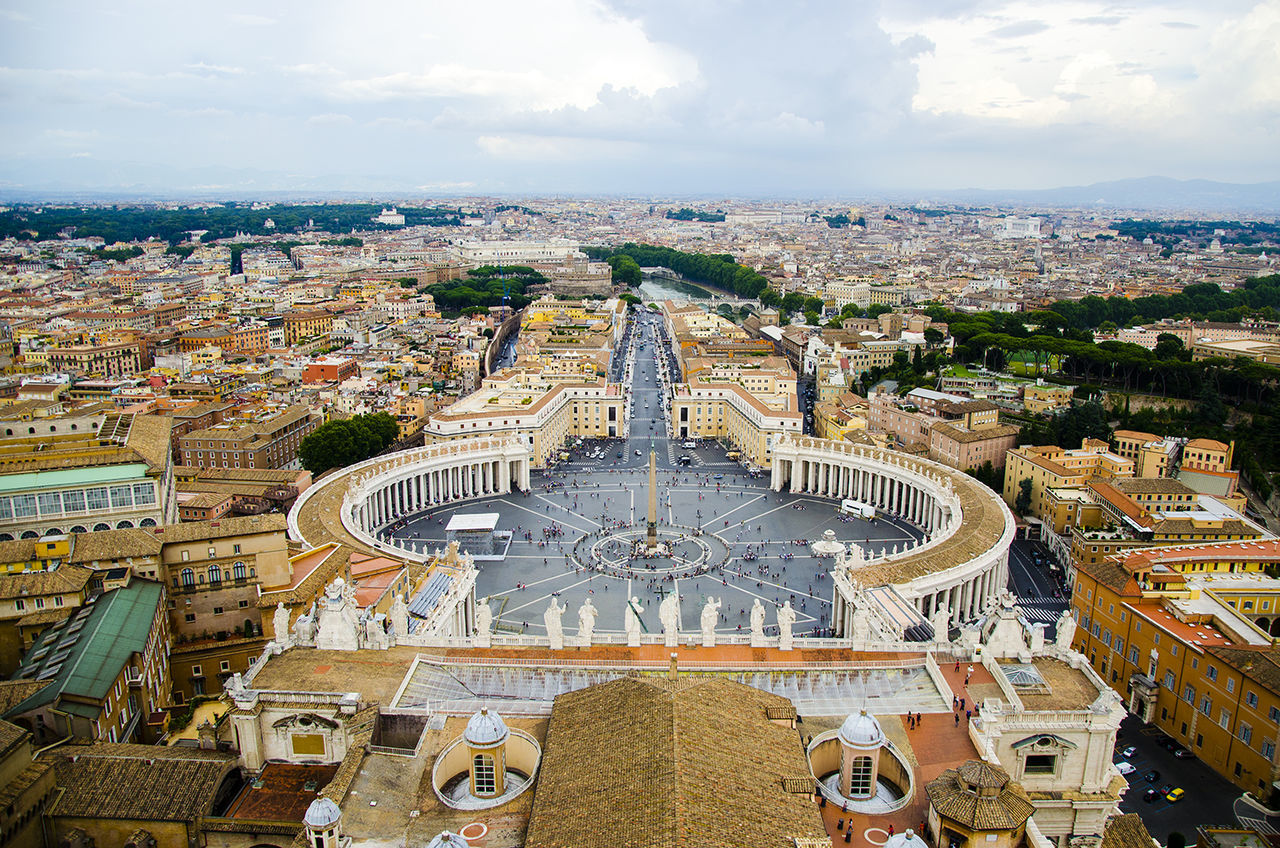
(656, 291)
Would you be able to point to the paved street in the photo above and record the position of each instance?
(1209, 798)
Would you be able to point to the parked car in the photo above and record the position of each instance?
(637, 451)
(1129, 752)
(1151, 776)
(1150, 795)
(1125, 768)
(1173, 796)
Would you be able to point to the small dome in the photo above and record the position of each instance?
(906, 839)
(485, 728)
(448, 840)
(861, 731)
(321, 814)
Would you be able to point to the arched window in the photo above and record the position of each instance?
(215, 575)
(29, 534)
(147, 522)
(188, 578)
(79, 528)
(6, 537)
(52, 531)
(237, 570)
(100, 526)
(486, 782)
(124, 525)
(860, 777)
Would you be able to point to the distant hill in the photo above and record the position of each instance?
(1155, 193)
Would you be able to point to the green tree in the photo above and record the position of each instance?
(770, 299)
(625, 271)
(1022, 503)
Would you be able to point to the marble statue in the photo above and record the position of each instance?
(280, 624)
(1066, 630)
(631, 622)
(339, 623)
(303, 629)
(586, 621)
(861, 625)
(375, 633)
(757, 624)
(555, 630)
(857, 557)
(710, 617)
(669, 615)
(484, 624)
(941, 622)
(399, 617)
(786, 618)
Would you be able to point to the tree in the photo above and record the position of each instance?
(770, 299)
(1169, 346)
(1022, 503)
(933, 336)
(336, 444)
(625, 271)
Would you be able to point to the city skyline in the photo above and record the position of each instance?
(734, 99)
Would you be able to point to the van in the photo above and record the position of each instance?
(688, 446)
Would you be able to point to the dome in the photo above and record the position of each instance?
(861, 731)
(485, 728)
(448, 840)
(906, 839)
(321, 814)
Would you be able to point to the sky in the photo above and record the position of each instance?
(639, 97)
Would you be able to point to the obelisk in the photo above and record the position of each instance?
(651, 539)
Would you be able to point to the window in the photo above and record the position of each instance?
(121, 497)
(1246, 733)
(196, 671)
(215, 574)
(217, 610)
(97, 498)
(1224, 718)
(1189, 694)
(1041, 764)
(188, 578)
(1231, 684)
(235, 549)
(238, 569)
(1212, 673)
(73, 501)
(224, 665)
(50, 503)
(24, 506)
(1274, 714)
(19, 605)
(484, 776)
(1169, 680)
(1133, 655)
(213, 552)
(1206, 706)
(243, 603)
(1269, 750)
(189, 617)
(1251, 699)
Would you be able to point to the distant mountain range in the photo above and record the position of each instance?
(93, 180)
(1162, 194)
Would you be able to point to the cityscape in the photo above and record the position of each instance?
(635, 445)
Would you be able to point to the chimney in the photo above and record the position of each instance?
(673, 670)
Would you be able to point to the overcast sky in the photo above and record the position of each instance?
(637, 96)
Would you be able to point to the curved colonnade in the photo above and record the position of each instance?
(372, 494)
(964, 558)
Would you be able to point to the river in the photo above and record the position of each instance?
(658, 290)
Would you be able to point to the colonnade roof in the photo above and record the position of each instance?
(984, 515)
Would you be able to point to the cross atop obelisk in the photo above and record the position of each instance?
(652, 535)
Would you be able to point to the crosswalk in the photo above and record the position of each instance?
(1040, 614)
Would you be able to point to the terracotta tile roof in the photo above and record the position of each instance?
(979, 796)
(14, 692)
(1126, 831)
(649, 761)
(67, 579)
(1259, 664)
(145, 782)
(1112, 575)
(10, 736)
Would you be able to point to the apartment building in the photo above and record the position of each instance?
(1153, 456)
(121, 359)
(105, 668)
(1049, 467)
(751, 419)
(955, 430)
(301, 325)
(542, 409)
(1183, 657)
(268, 440)
(1040, 399)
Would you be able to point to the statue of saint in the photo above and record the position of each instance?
(484, 617)
(757, 618)
(631, 617)
(555, 630)
(280, 624)
(710, 617)
(786, 618)
(669, 615)
(586, 621)
(1066, 632)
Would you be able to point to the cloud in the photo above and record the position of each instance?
(330, 119)
(251, 20)
(1179, 25)
(1019, 29)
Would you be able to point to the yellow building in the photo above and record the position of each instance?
(1163, 628)
(749, 411)
(1039, 399)
(546, 411)
(1049, 466)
